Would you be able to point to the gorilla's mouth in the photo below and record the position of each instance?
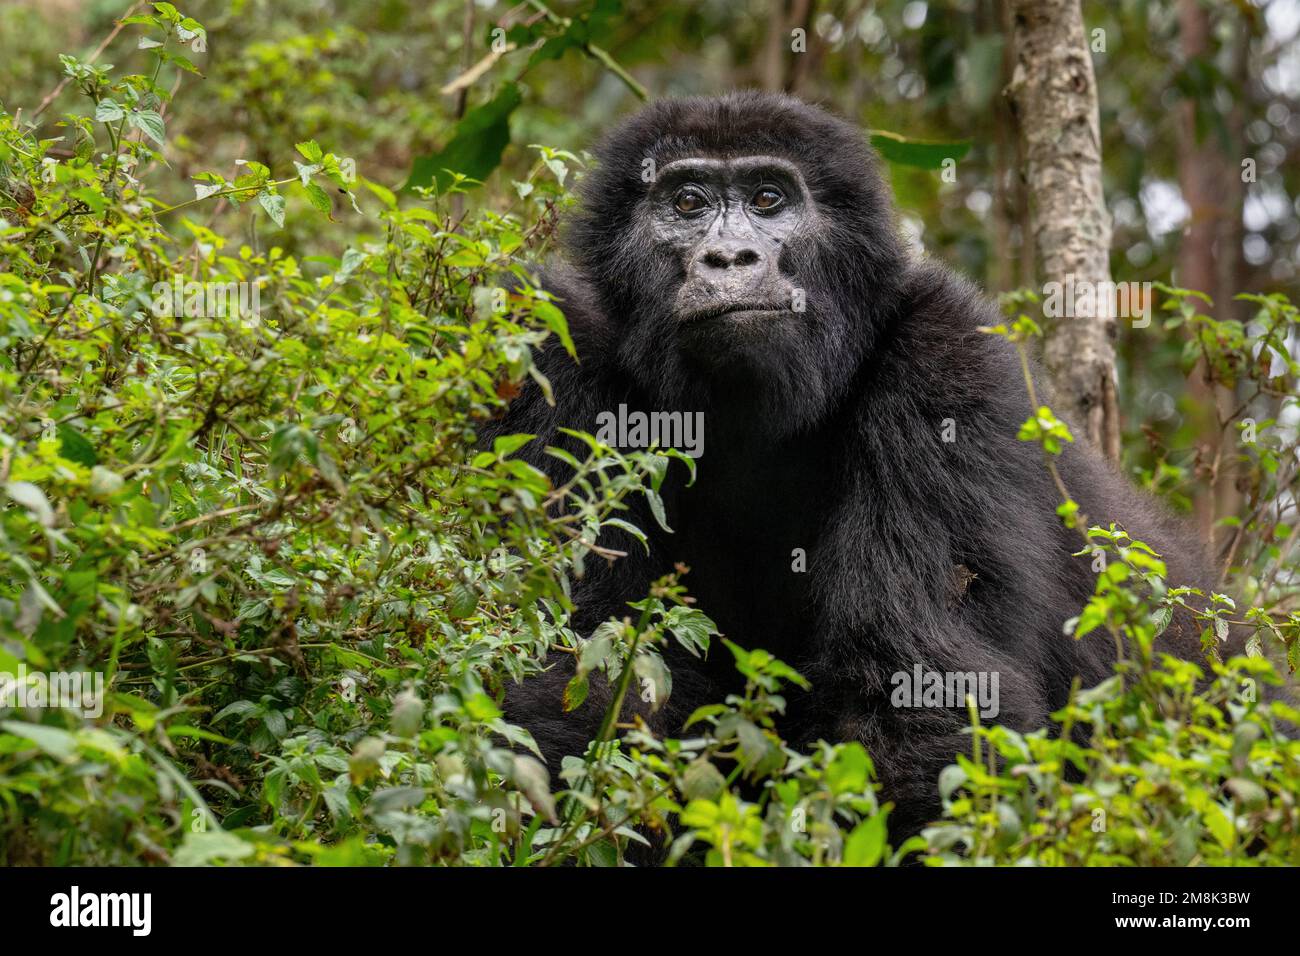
(732, 308)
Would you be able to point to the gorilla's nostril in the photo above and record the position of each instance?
(724, 258)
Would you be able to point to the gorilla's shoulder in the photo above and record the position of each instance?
(593, 332)
(943, 301)
(578, 385)
(936, 331)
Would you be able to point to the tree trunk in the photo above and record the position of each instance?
(772, 67)
(1054, 95)
(1012, 265)
(1209, 187)
(782, 69)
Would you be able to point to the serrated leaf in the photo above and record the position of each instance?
(319, 198)
(575, 693)
(306, 171)
(273, 203)
(462, 602)
(702, 781)
(107, 111)
(595, 651)
(149, 122)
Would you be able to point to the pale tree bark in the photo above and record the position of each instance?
(1054, 94)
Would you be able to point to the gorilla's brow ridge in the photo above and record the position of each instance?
(747, 160)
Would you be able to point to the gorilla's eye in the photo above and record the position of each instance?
(767, 197)
(689, 199)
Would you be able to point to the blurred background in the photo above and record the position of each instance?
(1200, 116)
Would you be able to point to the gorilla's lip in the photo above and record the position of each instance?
(731, 308)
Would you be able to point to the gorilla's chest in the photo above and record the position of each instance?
(748, 531)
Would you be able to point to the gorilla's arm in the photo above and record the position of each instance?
(984, 502)
(581, 389)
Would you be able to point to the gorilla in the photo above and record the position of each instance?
(738, 256)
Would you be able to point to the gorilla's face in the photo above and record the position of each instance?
(743, 248)
(737, 306)
(726, 222)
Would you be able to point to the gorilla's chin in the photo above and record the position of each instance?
(769, 359)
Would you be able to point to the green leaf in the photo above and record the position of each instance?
(595, 651)
(104, 482)
(319, 198)
(1219, 824)
(866, 844)
(575, 692)
(149, 122)
(183, 62)
(273, 203)
(691, 626)
(204, 847)
(385, 195)
(505, 445)
(476, 144)
(657, 508)
(848, 771)
(238, 708)
(107, 111)
(51, 740)
(926, 154)
(462, 602)
(702, 781)
(556, 322)
(74, 447)
(168, 12)
(33, 499)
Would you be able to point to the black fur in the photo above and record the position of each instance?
(830, 442)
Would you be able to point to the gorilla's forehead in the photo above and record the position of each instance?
(730, 166)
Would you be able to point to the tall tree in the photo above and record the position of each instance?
(1208, 256)
(1054, 94)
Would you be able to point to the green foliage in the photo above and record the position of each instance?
(1152, 767)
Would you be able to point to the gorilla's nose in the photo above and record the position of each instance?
(729, 255)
